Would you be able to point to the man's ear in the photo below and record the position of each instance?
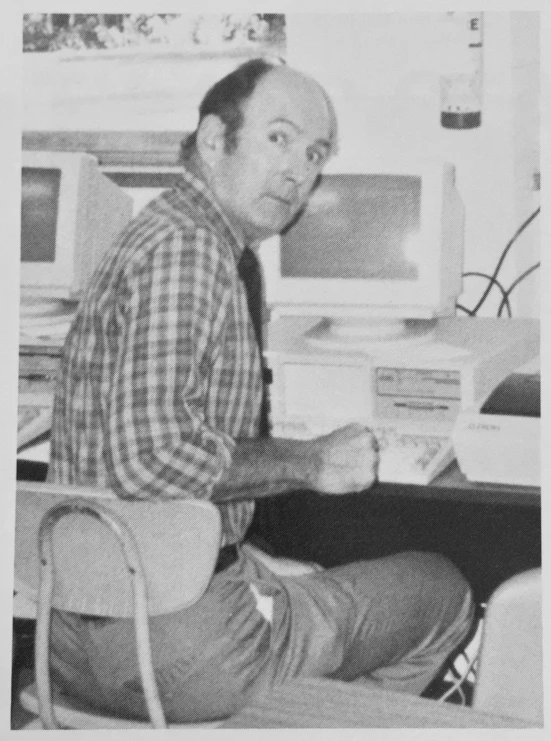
(211, 139)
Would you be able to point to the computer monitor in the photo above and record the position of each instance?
(70, 215)
(377, 253)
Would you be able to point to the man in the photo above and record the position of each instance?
(160, 396)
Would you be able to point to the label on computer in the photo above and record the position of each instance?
(418, 382)
(417, 394)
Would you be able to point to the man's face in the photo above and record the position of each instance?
(281, 149)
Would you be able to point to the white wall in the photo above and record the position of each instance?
(526, 122)
(383, 71)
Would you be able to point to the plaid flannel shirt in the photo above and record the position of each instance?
(161, 372)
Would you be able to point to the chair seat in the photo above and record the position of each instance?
(72, 713)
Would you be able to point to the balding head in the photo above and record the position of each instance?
(263, 171)
(227, 98)
(303, 91)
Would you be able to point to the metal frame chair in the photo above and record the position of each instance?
(39, 510)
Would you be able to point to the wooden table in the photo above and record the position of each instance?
(322, 703)
(452, 485)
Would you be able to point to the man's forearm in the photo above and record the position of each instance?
(263, 467)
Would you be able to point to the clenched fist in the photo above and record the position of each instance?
(346, 460)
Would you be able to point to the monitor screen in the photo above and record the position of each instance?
(39, 211)
(356, 226)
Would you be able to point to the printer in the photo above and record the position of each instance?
(500, 443)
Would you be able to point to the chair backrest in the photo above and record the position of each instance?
(178, 541)
(509, 678)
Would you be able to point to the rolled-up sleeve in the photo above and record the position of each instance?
(173, 310)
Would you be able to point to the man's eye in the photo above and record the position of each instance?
(315, 156)
(279, 138)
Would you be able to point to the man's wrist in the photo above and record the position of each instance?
(301, 460)
(263, 467)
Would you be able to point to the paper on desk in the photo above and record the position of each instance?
(42, 331)
(40, 452)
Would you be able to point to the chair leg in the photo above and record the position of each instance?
(46, 584)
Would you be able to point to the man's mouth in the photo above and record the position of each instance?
(281, 199)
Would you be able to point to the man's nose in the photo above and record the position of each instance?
(298, 169)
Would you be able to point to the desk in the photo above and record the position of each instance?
(319, 703)
(490, 531)
(452, 485)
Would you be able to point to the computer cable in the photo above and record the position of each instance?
(503, 255)
(464, 308)
(493, 281)
(514, 284)
(468, 657)
(457, 685)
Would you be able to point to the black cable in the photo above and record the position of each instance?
(514, 284)
(502, 258)
(495, 282)
(464, 308)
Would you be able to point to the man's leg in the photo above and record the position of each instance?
(207, 657)
(392, 620)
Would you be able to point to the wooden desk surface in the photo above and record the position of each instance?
(451, 484)
(322, 703)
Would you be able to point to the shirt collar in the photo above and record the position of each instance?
(199, 195)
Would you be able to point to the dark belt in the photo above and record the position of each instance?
(227, 555)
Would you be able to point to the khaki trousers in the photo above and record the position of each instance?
(393, 621)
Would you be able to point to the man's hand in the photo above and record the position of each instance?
(346, 460)
(342, 462)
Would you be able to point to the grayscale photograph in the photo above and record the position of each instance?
(278, 397)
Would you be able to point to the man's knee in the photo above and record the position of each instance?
(444, 585)
(438, 569)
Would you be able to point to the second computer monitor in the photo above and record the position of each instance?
(376, 253)
(71, 213)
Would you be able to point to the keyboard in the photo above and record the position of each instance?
(412, 458)
(405, 457)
